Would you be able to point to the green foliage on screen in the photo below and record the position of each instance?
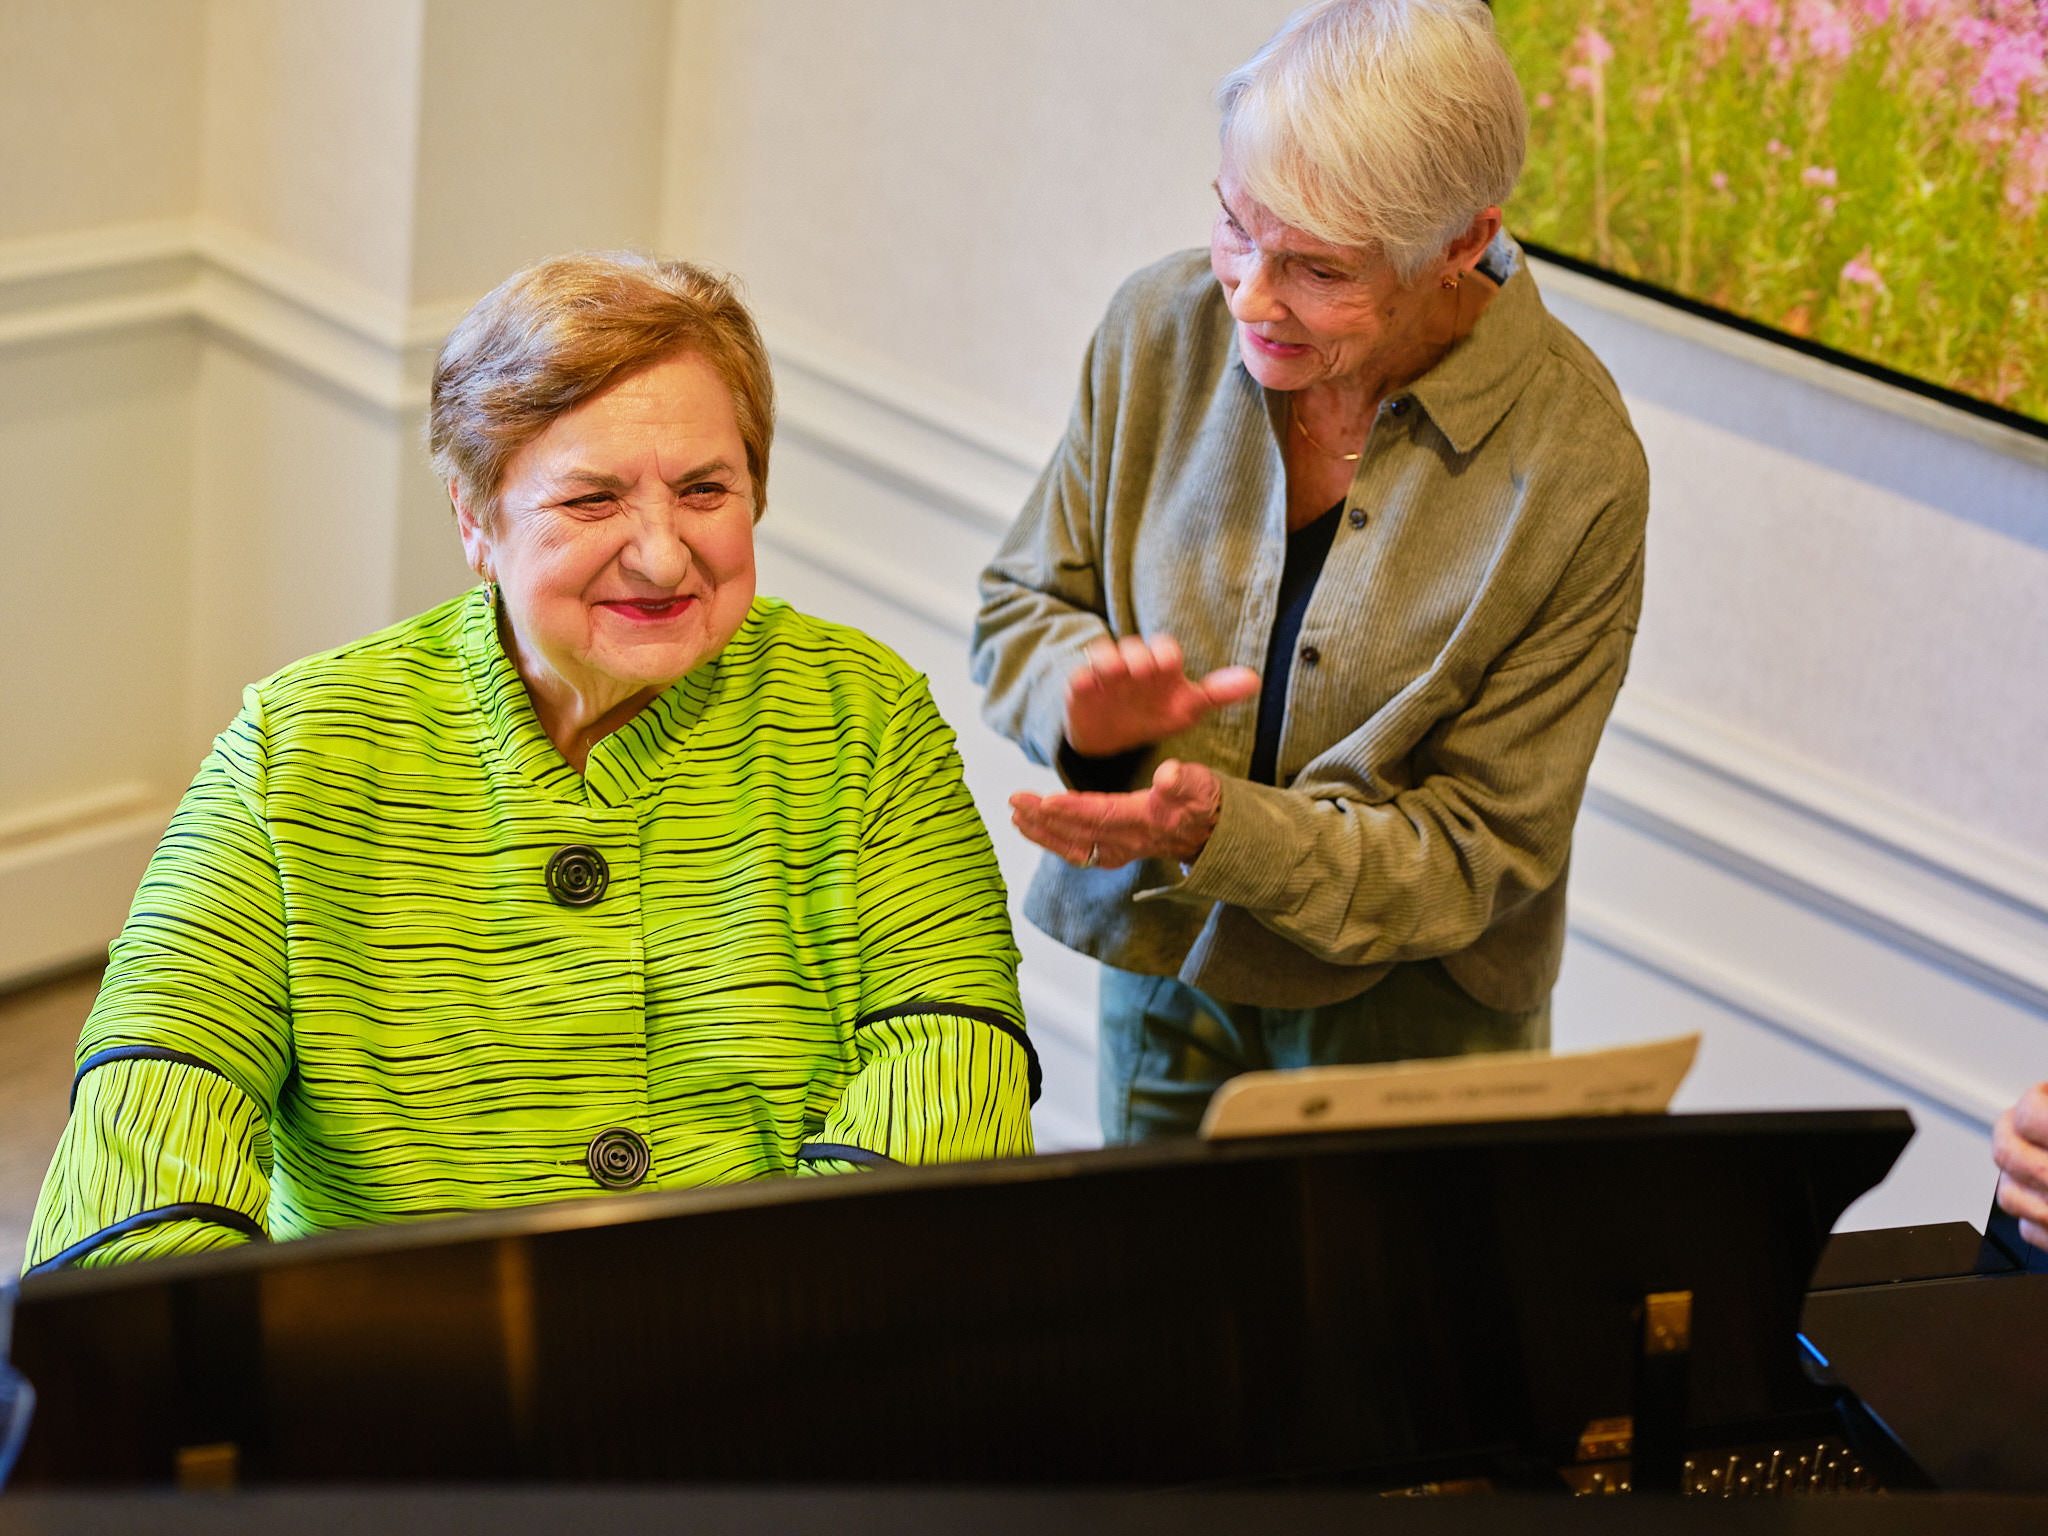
(1870, 174)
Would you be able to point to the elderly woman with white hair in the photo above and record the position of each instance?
(1324, 598)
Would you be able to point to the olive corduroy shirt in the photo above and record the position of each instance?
(1455, 667)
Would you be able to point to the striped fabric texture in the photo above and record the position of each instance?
(347, 994)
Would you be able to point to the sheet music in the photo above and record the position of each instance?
(1512, 1085)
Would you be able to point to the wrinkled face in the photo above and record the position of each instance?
(623, 548)
(1308, 312)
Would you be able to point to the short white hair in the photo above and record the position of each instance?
(1388, 124)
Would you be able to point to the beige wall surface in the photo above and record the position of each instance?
(1860, 588)
(310, 123)
(95, 452)
(295, 492)
(952, 190)
(540, 132)
(99, 112)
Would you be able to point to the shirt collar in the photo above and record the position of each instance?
(1470, 390)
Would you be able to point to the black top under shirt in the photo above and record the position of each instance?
(1308, 547)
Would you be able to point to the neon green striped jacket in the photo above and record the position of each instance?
(348, 991)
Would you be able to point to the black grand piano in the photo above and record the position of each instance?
(1566, 1306)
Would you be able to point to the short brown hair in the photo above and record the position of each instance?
(549, 338)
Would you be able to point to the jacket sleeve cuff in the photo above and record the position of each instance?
(1253, 858)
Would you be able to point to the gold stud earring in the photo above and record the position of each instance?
(1451, 281)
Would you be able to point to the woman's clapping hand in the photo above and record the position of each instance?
(1171, 820)
(1133, 692)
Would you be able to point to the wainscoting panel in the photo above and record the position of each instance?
(68, 873)
(225, 425)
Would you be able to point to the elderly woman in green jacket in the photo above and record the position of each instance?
(1345, 463)
(607, 874)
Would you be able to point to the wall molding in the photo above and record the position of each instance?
(201, 273)
(1888, 869)
(974, 470)
(1845, 1039)
(68, 871)
(124, 276)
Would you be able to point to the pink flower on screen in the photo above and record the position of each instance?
(1580, 78)
(1715, 18)
(1877, 12)
(1972, 31)
(1718, 19)
(1596, 48)
(1827, 203)
(2026, 172)
(1719, 181)
(1857, 269)
(1826, 30)
(1545, 101)
(1917, 11)
(2016, 60)
(1775, 148)
(1818, 175)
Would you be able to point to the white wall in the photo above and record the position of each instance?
(232, 232)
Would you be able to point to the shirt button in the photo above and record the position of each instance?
(577, 876)
(618, 1159)
(1356, 517)
(1310, 655)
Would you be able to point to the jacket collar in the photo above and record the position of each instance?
(626, 765)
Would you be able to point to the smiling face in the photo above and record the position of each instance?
(623, 544)
(1311, 313)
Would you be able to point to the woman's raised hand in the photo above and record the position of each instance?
(1133, 692)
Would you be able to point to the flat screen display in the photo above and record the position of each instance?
(1864, 179)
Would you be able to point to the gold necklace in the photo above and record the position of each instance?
(1295, 416)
